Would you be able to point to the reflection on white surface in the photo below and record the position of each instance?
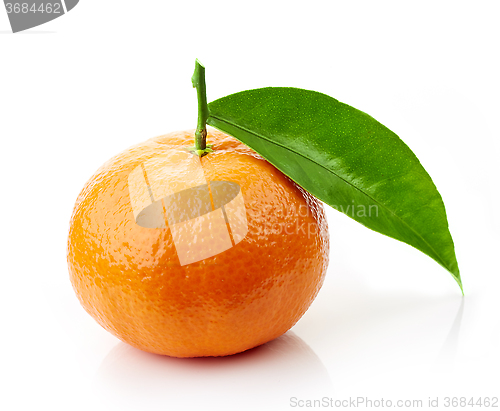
(263, 378)
(387, 343)
(448, 353)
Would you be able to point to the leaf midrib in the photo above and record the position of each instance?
(341, 178)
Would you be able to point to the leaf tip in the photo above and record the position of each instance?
(459, 282)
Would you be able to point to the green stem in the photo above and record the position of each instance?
(198, 79)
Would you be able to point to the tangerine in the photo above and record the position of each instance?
(186, 256)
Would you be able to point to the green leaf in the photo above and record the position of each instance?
(345, 158)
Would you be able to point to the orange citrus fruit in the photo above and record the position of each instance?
(186, 256)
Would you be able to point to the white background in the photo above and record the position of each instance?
(389, 322)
